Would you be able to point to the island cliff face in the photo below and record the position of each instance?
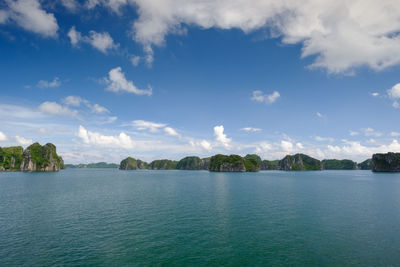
(193, 163)
(299, 162)
(34, 158)
(132, 164)
(365, 165)
(335, 164)
(389, 162)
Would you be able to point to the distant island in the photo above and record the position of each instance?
(38, 158)
(93, 165)
(35, 158)
(249, 163)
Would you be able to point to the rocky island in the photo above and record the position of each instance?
(248, 163)
(35, 158)
(389, 162)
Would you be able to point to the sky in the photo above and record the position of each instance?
(152, 79)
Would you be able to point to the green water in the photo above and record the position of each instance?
(197, 218)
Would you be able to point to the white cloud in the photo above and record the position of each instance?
(101, 41)
(72, 100)
(287, 146)
(148, 125)
(394, 134)
(353, 133)
(54, 108)
(76, 101)
(135, 60)
(339, 35)
(323, 139)
(375, 94)
(49, 84)
(96, 108)
(258, 96)
(71, 5)
(251, 129)
(172, 132)
(299, 146)
(93, 138)
(74, 36)
(394, 92)
(263, 147)
(29, 15)
(371, 132)
(118, 83)
(3, 137)
(221, 137)
(23, 141)
(319, 115)
(206, 145)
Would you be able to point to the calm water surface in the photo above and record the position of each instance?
(178, 218)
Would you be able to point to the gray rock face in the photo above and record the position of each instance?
(389, 162)
(2, 169)
(228, 167)
(41, 158)
(299, 162)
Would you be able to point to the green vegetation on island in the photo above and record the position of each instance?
(193, 163)
(132, 164)
(389, 162)
(163, 164)
(224, 163)
(248, 163)
(11, 158)
(300, 162)
(365, 165)
(34, 158)
(335, 164)
(269, 165)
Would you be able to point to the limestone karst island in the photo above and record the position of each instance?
(38, 158)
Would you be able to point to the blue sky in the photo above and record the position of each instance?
(104, 79)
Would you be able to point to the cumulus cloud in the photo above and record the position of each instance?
(102, 41)
(49, 84)
(394, 134)
(29, 15)
(170, 131)
(23, 141)
(375, 94)
(203, 144)
(251, 129)
(74, 36)
(118, 83)
(54, 108)
(258, 96)
(74, 101)
(96, 108)
(394, 93)
(299, 146)
(371, 132)
(94, 138)
(3, 137)
(286, 146)
(71, 5)
(354, 133)
(221, 137)
(135, 60)
(148, 125)
(340, 35)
